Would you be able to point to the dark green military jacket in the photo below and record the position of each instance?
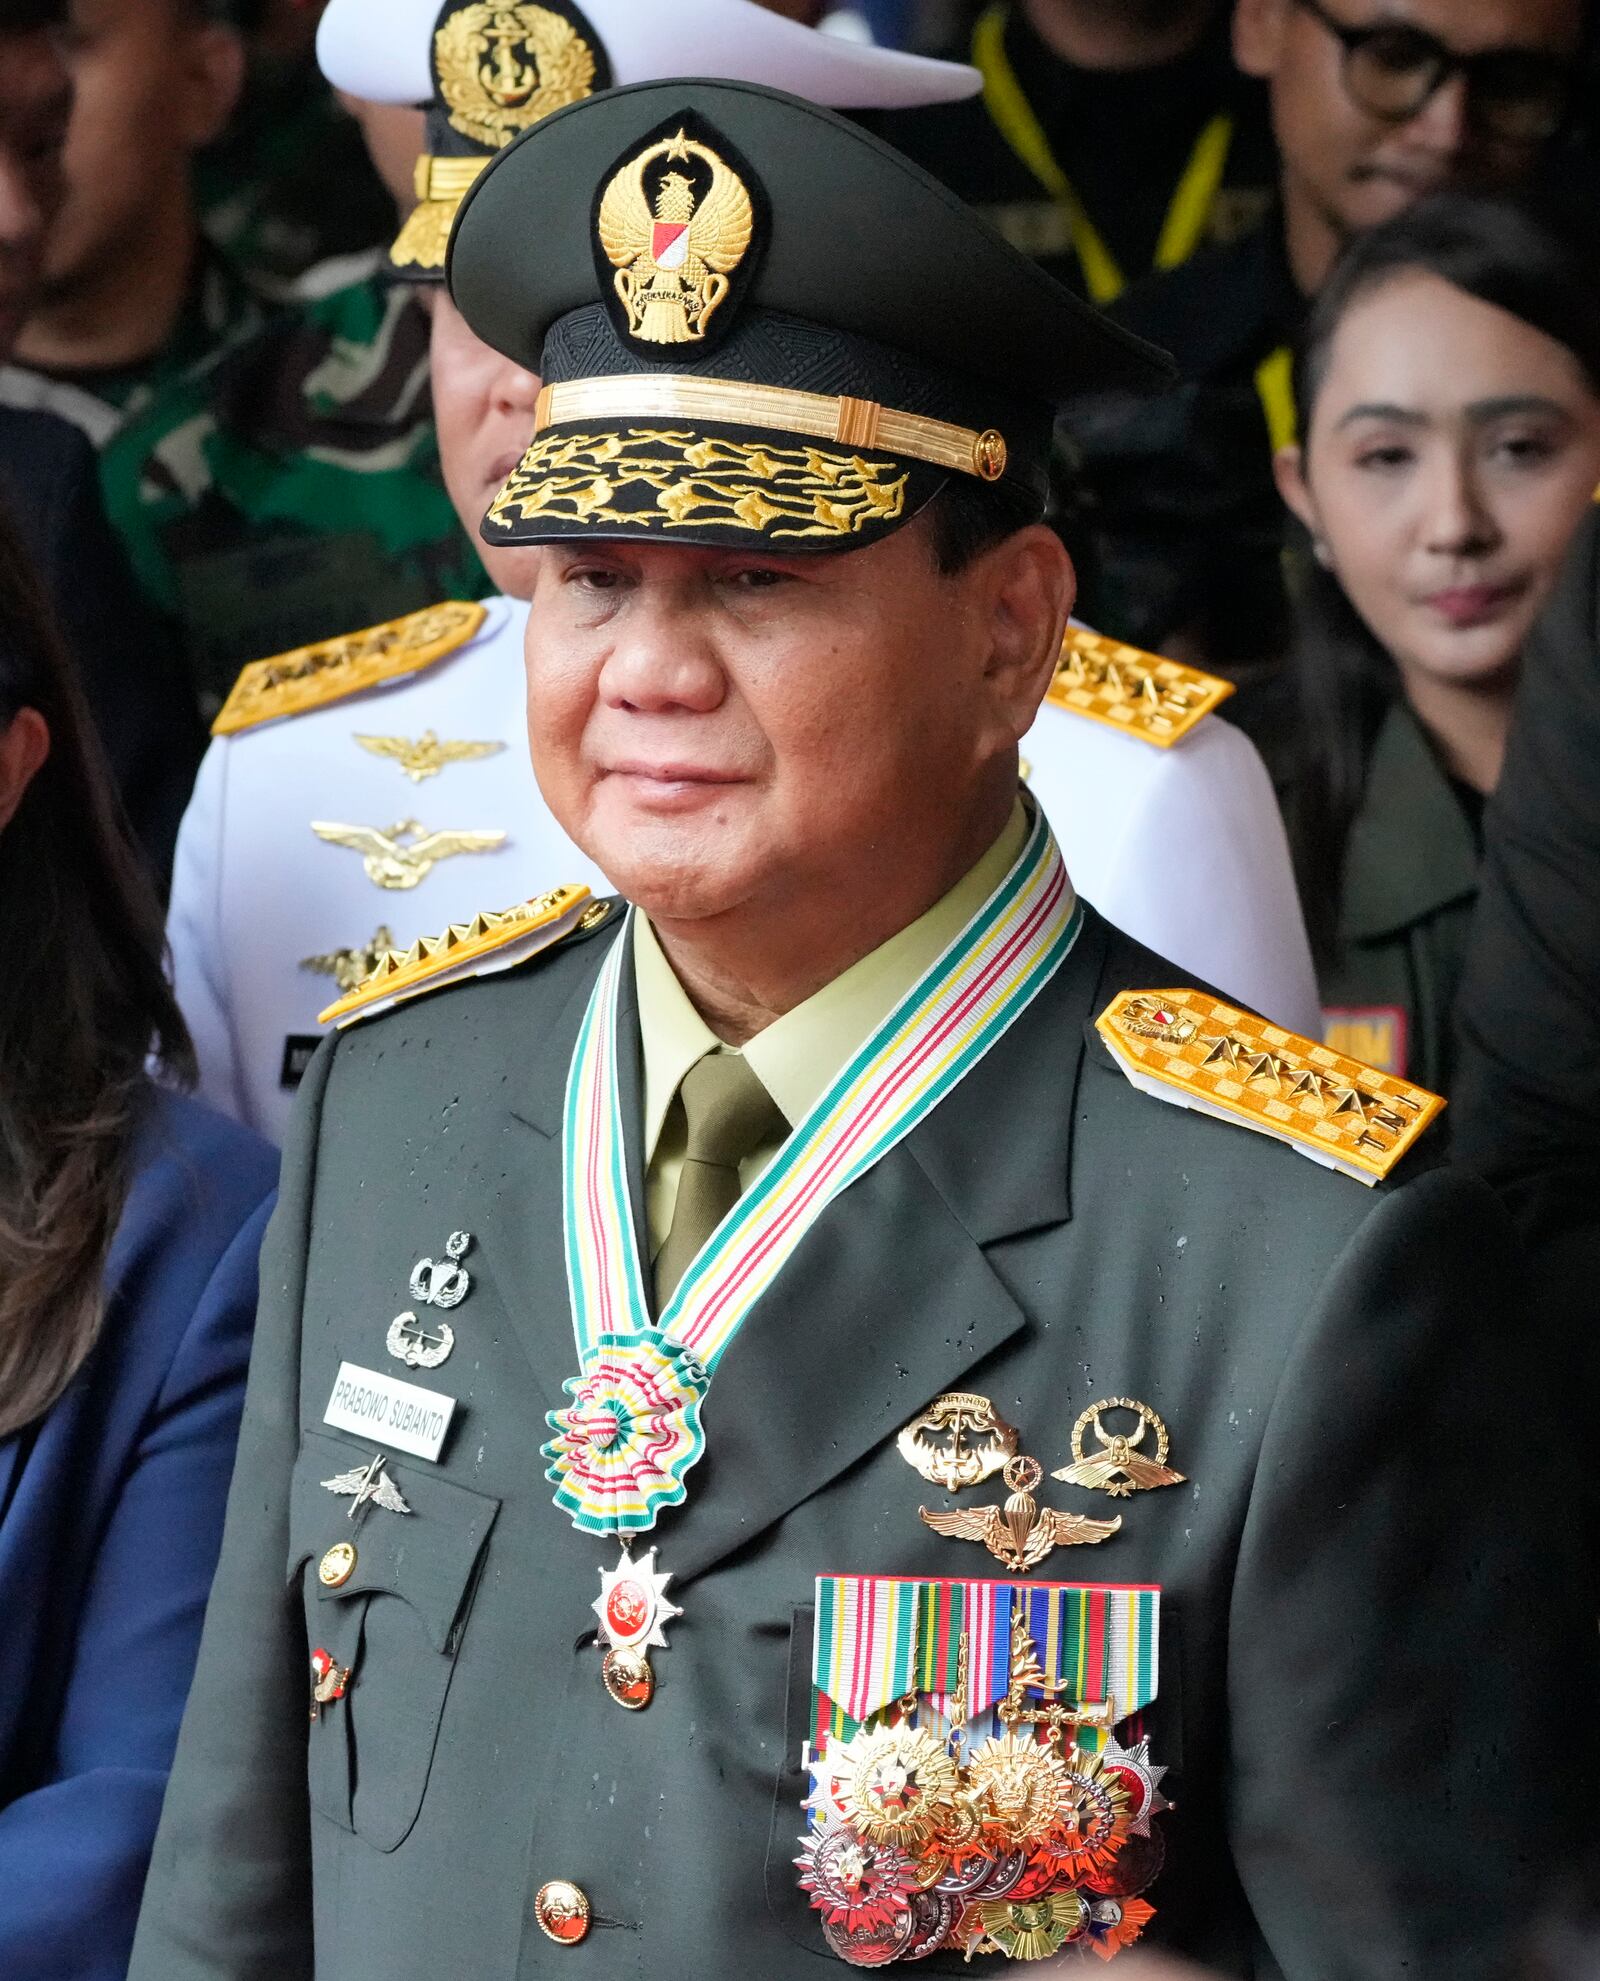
(1410, 885)
(1375, 1696)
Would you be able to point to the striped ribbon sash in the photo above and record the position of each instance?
(632, 1429)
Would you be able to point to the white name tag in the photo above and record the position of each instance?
(388, 1411)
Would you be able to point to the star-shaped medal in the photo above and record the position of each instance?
(632, 1607)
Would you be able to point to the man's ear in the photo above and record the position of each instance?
(213, 80)
(24, 745)
(1258, 29)
(1030, 587)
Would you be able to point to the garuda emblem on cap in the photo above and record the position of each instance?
(675, 222)
(501, 69)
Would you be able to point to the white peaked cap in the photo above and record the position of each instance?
(379, 50)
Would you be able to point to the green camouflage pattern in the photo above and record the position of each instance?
(291, 490)
(222, 309)
(289, 183)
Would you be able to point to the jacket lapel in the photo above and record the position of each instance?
(896, 1293)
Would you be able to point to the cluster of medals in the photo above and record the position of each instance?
(1024, 1843)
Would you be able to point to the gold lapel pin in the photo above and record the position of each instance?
(959, 1440)
(1119, 1467)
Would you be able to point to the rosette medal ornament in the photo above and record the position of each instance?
(969, 1794)
(622, 1446)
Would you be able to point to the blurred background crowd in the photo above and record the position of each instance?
(1366, 231)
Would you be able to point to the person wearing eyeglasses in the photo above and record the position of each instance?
(1375, 104)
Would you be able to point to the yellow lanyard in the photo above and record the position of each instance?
(1275, 389)
(1014, 117)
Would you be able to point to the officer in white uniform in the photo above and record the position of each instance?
(376, 789)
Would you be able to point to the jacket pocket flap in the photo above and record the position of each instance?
(425, 1557)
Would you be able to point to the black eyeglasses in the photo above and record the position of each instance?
(1392, 71)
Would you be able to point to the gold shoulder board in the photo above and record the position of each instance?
(1183, 1046)
(1157, 700)
(311, 677)
(490, 942)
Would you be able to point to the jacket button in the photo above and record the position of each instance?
(562, 1912)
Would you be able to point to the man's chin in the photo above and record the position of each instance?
(670, 884)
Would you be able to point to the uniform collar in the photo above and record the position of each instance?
(1412, 850)
(799, 1053)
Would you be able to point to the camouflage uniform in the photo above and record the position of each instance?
(289, 184)
(221, 310)
(292, 486)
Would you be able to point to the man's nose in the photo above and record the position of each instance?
(660, 662)
(516, 390)
(22, 213)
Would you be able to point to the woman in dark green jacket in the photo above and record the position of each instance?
(1449, 398)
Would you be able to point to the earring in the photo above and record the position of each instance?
(1321, 552)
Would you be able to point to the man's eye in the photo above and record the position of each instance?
(757, 577)
(595, 580)
(1525, 450)
(1391, 456)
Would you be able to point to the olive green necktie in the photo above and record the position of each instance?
(729, 1115)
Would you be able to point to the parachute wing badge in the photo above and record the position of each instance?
(1021, 1534)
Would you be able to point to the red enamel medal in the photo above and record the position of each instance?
(632, 1607)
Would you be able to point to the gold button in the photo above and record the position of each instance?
(989, 455)
(337, 1565)
(593, 916)
(562, 1912)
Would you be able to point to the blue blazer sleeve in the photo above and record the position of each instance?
(130, 1472)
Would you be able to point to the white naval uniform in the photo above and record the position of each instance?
(1182, 848)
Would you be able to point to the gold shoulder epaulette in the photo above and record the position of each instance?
(311, 677)
(1183, 1046)
(490, 942)
(1141, 694)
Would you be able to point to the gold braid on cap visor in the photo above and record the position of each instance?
(441, 185)
(702, 480)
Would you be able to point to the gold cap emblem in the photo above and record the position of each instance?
(501, 69)
(675, 222)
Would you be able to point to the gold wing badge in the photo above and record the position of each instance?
(1021, 1533)
(673, 239)
(390, 862)
(428, 754)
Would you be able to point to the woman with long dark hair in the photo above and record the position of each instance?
(129, 1224)
(1448, 386)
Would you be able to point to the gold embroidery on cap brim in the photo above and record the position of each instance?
(699, 483)
(502, 68)
(700, 242)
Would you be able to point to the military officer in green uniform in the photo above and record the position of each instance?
(770, 1439)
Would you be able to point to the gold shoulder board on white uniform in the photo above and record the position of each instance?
(1186, 1047)
(312, 677)
(1159, 701)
